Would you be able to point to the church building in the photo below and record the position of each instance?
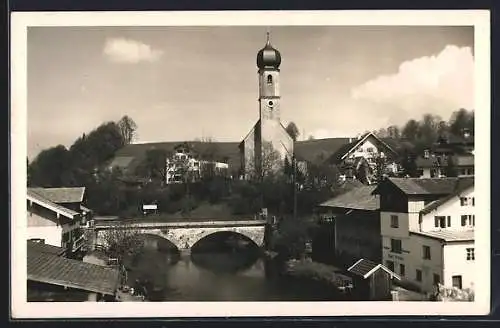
(266, 146)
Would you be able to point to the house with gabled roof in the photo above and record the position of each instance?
(372, 279)
(55, 216)
(351, 155)
(427, 230)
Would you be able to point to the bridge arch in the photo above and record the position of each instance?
(185, 237)
(242, 236)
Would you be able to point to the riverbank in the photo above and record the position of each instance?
(323, 273)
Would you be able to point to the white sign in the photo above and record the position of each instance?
(150, 207)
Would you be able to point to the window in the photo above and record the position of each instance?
(269, 79)
(394, 221)
(470, 254)
(473, 201)
(396, 246)
(463, 201)
(468, 220)
(402, 269)
(463, 220)
(369, 149)
(426, 252)
(439, 221)
(418, 275)
(437, 279)
(390, 265)
(457, 281)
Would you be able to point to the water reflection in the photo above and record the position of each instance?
(225, 253)
(217, 271)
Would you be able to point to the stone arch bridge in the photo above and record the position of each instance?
(184, 234)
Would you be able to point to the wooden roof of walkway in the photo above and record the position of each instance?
(50, 268)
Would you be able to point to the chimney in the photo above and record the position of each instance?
(426, 153)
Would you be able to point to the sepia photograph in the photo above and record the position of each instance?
(272, 163)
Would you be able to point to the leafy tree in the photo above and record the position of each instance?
(293, 130)
(410, 130)
(48, 167)
(291, 236)
(409, 164)
(106, 195)
(127, 128)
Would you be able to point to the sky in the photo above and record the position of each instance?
(183, 83)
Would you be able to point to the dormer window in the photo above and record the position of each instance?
(269, 79)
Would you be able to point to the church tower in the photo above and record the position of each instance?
(268, 63)
(266, 146)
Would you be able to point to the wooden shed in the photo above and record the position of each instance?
(372, 281)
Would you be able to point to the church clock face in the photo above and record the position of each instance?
(270, 104)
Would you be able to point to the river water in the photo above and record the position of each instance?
(221, 275)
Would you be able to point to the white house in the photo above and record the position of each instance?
(184, 159)
(55, 217)
(427, 230)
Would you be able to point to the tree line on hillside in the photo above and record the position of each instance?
(426, 131)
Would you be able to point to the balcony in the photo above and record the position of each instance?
(78, 243)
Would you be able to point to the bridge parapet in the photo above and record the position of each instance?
(185, 234)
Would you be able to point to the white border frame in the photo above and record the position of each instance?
(480, 19)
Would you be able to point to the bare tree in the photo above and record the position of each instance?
(121, 242)
(127, 129)
(267, 165)
(444, 293)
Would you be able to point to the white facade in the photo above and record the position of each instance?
(425, 254)
(53, 224)
(182, 158)
(369, 148)
(459, 209)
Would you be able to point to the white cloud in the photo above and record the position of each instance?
(437, 84)
(123, 50)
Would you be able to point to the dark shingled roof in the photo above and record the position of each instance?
(431, 186)
(51, 269)
(360, 198)
(363, 268)
(319, 150)
(61, 195)
(45, 248)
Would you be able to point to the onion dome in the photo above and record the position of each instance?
(268, 57)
